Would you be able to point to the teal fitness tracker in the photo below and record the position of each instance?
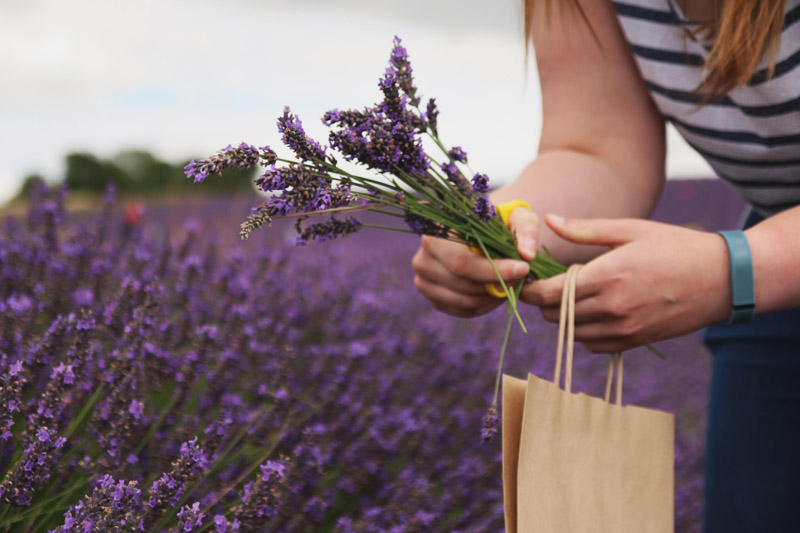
(743, 299)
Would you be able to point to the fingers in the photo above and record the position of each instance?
(455, 303)
(596, 328)
(525, 226)
(547, 292)
(453, 278)
(600, 324)
(434, 272)
(607, 337)
(603, 231)
(461, 263)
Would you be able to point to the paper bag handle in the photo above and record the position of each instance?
(566, 336)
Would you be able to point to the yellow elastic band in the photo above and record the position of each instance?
(495, 291)
(504, 210)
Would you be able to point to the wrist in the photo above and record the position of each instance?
(776, 259)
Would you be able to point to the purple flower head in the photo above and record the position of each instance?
(167, 490)
(295, 137)
(272, 469)
(455, 177)
(33, 468)
(384, 138)
(190, 518)
(432, 115)
(480, 183)
(15, 368)
(331, 117)
(403, 71)
(457, 154)
(19, 304)
(194, 454)
(301, 190)
(424, 226)
(43, 435)
(483, 208)
(330, 229)
(259, 499)
(83, 297)
(388, 84)
(66, 372)
(136, 409)
(243, 156)
(110, 505)
(220, 523)
(490, 423)
(11, 383)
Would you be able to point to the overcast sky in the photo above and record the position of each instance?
(183, 78)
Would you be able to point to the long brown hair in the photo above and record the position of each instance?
(742, 32)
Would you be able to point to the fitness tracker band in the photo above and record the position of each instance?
(743, 300)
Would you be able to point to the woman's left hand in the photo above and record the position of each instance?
(658, 281)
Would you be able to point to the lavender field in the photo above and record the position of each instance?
(161, 375)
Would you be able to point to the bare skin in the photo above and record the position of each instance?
(601, 165)
(696, 11)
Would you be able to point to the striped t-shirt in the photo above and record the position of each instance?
(751, 137)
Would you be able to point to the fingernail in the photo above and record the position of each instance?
(528, 246)
(558, 219)
(521, 269)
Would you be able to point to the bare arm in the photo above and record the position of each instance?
(602, 146)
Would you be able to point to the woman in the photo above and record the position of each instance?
(726, 73)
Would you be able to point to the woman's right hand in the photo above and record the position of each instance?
(453, 277)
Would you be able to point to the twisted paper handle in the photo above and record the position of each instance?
(566, 337)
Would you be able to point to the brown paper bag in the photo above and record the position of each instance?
(574, 463)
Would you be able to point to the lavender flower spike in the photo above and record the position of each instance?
(399, 60)
(243, 156)
(111, 504)
(457, 154)
(189, 518)
(483, 207)
(490, 422)
(259, 500)
(33, 468)
(296, 138)
(330, 229)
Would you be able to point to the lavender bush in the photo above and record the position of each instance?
(156, 377)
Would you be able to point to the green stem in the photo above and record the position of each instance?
(512, 300)
(151, 431)
(390, 228)
(503, 351)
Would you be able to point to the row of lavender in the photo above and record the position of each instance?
(157, 378)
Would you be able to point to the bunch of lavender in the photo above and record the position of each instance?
(433, 196)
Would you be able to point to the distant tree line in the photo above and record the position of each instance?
(139, 171)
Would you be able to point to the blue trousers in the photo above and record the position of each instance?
(752, 465)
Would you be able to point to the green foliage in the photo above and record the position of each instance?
(29, 184)
(137, 171)
(87, 172)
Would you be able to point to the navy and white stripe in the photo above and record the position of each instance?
(750, 137)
